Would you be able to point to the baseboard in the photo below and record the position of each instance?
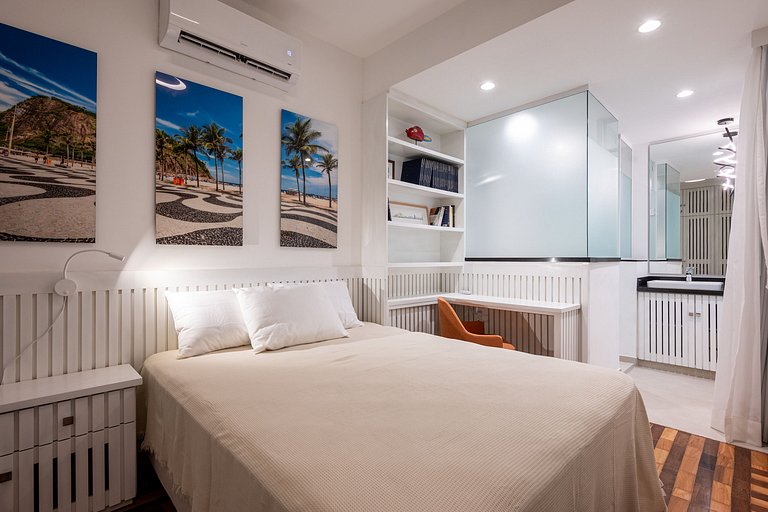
(627, 359)
(692, 372)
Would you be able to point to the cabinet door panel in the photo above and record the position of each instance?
(8, 479)
(7, 433)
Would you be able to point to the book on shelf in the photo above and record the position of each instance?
(417, 171)
(436, 216)
(443, 216)
(431, 173)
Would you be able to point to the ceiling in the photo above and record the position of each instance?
(703, 45)
(360, 27)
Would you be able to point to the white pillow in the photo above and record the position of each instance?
(207, 321)
(278, 317)
(338, 293)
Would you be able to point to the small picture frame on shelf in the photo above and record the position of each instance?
(391, 169)
(408, 213)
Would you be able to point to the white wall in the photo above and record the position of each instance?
(602, 315)
(628, 274)
(640, 201)
(124, 34)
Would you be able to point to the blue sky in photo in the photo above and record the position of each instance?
(33, 65)
(317, 182)
(200, 105)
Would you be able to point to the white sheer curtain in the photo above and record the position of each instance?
(737, 400)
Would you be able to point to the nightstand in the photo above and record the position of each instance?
(69, 442)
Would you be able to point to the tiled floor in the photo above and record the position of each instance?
(678, 401)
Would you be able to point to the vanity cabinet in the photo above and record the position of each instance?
(679, 328)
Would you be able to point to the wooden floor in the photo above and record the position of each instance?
(698, 474)
(701, 474)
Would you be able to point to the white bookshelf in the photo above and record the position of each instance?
(408, 150)
(420, 227)
(406, 245)
(405, 187)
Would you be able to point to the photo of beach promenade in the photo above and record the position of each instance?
(198, 164)
(308, 182)
(47, 139)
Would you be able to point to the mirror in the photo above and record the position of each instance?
(689, 211)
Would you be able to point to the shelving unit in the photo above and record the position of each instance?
(425, 191)
(402, 225)
(408, 150)
(396, 245)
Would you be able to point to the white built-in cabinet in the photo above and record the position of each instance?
(679, 329)
(402, 245)
(69, 442)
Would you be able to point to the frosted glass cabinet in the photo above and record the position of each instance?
(544, 182)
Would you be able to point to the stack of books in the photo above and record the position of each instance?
(443, 216)
(431, 173)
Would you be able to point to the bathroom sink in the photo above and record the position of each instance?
(709, 286)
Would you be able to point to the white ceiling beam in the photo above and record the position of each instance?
(456, 31)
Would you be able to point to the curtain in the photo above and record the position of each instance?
(737, 410)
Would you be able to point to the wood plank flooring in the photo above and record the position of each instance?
(699, 475)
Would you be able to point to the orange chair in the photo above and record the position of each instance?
(452, 327)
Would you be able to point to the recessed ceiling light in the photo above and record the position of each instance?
(695, 181)
(717, 153)
(649, 26)
(487, 86)
(684, 93)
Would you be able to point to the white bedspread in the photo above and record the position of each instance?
(396, 421)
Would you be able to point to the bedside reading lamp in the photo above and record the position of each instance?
(64, 287)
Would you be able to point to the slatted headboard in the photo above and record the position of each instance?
(122, 321)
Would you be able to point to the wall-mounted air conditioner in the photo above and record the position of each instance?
(215, 33)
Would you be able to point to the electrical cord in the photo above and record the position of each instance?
(34, 342)
(64, 288)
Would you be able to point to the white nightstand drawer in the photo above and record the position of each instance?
(69, 442)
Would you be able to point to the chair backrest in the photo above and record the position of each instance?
(450, 325)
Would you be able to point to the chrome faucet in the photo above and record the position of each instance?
(689, 273)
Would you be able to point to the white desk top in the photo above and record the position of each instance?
(519, 305)
(487, 301)
(32, 393)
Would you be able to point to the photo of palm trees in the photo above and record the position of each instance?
(198, 164)
(308, 182)
(47, 139)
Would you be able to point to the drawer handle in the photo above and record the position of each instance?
(69, 420)
(6, 477)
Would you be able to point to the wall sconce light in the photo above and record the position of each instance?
(66, 287)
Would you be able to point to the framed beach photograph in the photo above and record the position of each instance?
(391, 169)
(198, 164)
(408, 213)
(309, 171)
(47, 139)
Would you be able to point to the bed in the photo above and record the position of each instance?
(390, 420)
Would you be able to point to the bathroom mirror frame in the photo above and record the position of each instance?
(648, 187)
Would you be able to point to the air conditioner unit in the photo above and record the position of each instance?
(220, 35)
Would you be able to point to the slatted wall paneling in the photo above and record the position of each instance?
(531, 333)
(705, 227)
(106, 327)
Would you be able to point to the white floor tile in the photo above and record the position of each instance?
(678, 401)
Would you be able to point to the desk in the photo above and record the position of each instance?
(567, 321)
